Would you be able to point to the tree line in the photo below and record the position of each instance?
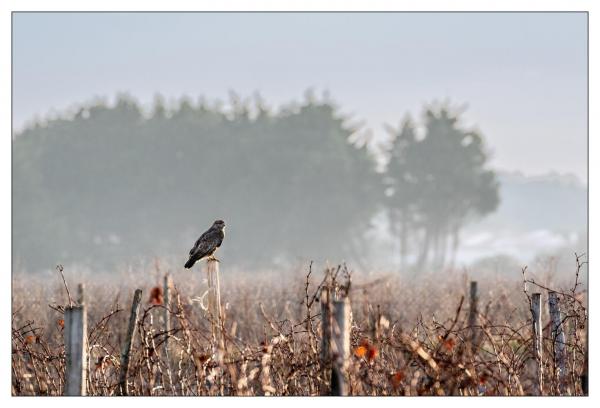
(110, 184)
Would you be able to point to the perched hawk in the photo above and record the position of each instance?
(207, 244)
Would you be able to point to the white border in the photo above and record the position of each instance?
(7, 6)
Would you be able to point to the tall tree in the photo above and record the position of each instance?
(445, 176)
(401, 191)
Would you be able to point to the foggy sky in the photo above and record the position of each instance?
(524, 76)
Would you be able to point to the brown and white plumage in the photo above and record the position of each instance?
(207, 244)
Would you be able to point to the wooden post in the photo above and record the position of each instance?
(474, 299)
(558, 339)
(126, 350)
(80, 294)
(214, 300)
(76, 350)
(536, 315)
(325, 325)
(325, 336)
(167, 304)
(584, 374)
(340, 346)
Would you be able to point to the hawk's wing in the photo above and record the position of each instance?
(198, 242)
(206, 244)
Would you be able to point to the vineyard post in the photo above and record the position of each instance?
(126, 350)
(340, 346)
(76, 350)
(325, 335)
(214, 303)
(558, 339)
(167, 304)
(584, 374)
(536, 314)
(473, 316)
(80, 294)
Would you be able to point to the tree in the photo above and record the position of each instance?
(110, 185)
(440, 182)
(401, 189)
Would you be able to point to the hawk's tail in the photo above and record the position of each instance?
(190, 263)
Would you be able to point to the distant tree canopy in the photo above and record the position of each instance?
(436, 184)
(110, 184)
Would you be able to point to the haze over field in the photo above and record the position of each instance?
(120, 178)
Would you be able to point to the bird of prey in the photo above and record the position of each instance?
(207, 244)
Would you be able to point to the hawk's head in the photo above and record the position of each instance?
(219, 224)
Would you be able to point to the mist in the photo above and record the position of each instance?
(398, 142)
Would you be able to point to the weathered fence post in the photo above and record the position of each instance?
(325, 337)
(214, 301)
(584, 374)
(474, 299)
(126, 350)
(76, 350)
(340, 346)
(80, 294)
(536, 315)
(168, 285)
(558, 339)
(167, 304)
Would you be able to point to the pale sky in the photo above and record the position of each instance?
(523, 76)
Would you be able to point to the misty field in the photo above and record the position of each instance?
(424, 336)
